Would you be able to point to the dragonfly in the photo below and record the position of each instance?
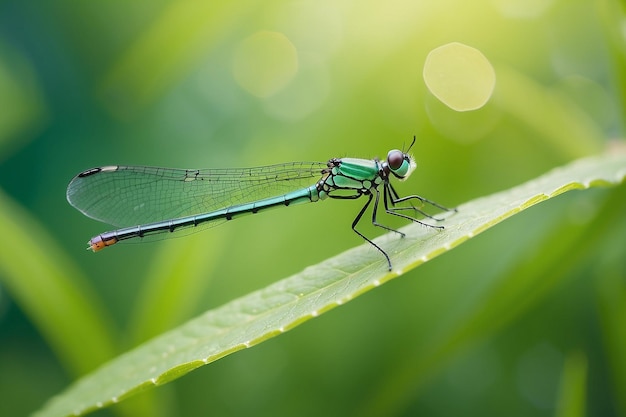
(143, 202)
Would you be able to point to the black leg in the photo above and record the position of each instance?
(395, 198)
(356, 221)
(375, 212)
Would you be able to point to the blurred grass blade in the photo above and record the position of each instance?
(166, 50)
(288, 303)
(570, 132)
(611, 300)
(52, 293)
(573, 396)
(23, 108)
(174, 284)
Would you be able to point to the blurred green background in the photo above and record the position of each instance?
(526, 319)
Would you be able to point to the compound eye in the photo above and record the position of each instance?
(395, 159)
(400, 164)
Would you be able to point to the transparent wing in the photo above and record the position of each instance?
(133, 195)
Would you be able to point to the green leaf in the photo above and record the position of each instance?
(286, 304)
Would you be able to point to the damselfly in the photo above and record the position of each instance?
(146, 201)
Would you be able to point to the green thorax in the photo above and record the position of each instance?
(348, 175)
(358, 169)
